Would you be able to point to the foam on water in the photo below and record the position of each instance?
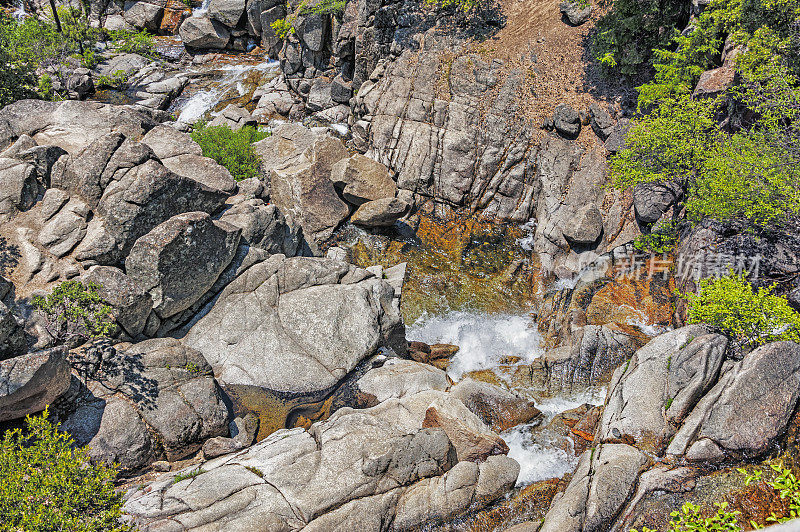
(541, 459)
(200, 11)
(483, 339)
(555, 405)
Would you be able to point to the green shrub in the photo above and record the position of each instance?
(283, 27)
(74, 312)
(750, 317)
(131, 42)
(787, 486)
(689, 519)
(628, 32)
(746, 176)
(116, 80)
(47, 484)
(324, 7)
(661, 240)
(464, 5)
(231, 149)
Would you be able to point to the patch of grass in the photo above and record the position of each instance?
(255, 471)
(191, 474)
(231, 149)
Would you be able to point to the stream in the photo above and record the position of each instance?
(469, 283)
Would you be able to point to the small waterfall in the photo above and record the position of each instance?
(199, 12)
(19, 12)
(228, 86)
(484, 339)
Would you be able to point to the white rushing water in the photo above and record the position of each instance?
(203, 101)
(547, 455)
(483, 339)
(200, 11)
(19, 10)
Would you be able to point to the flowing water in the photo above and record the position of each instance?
(216, 87)
(19, 10)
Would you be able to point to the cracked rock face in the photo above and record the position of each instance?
(297, 325)
(360, 470)
(29, 383)
(149, 401)
(677, 398)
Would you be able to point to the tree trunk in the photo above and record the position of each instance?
(55, 15)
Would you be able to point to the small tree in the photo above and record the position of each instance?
(48, 484)
(75, 313)
(752, 318)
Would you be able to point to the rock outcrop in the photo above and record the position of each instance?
(359, 469)
(148, 401)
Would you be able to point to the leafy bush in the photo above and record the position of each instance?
(464, 5)
(116, 80)
(746, 176)
(628, 32)
(48, 484)
(131, 42)
(283, 27)
(324, 7)
(787, 486)
(231, 149)
(660, 240)
(750, 317)
(689, 519)
(74, 312)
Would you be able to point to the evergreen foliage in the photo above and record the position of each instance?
(74, 312)
(47, 484)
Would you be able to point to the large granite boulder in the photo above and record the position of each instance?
(12, 333)
(149, 401)
(604, 480)
(180, 154)
(361, 179)
(144, 14)
(130, 303)
(71, 125)
(298, 163)
(264, 226)
(747, 408)
(297, 325)
(202, 32)
(228, 12)
(357, 470)
(672, 372)
(179, 260)
(29, 383)
(18, 186)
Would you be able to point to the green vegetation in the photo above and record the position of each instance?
(323, 7)
(283, 27)
(231, 149)
(48, 484)
(787, 486)
(463, 5)
(750, 317)
(116, 80)
(628, 33)
(74, 312)
(32, 45)
(191, 474)
(661, 240)
(690, 519)
(130, 42)
(748, 170)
